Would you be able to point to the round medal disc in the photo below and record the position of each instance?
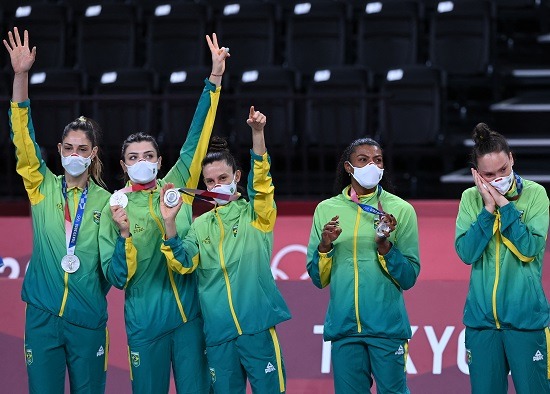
(70, 263)
(171, 197)
(118, 198)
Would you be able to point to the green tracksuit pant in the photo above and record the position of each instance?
(184, 349)
(256, 356)
(355, 360)
(492, 354)
(52, 346)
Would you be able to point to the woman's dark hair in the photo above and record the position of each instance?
(138, 137)
(218, 150)
(343, 178)
(93, 132)
(487, 141)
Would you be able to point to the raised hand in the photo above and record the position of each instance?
(22, 58)
(121, 220)
(218, 55)
(256, 120)
(331, 231)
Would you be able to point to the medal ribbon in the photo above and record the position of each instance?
(365, 207)
(519, 187)
(206, 193)
(71, 231)
(136, 187)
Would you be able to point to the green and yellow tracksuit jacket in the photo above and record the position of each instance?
(505, 249)
(231, 246)
(366, 288)
(79, 298)
(157, 301)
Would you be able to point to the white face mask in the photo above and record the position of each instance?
(225, 189)
(368, 176)
(75, 164)
(143, 171)
(503, 184)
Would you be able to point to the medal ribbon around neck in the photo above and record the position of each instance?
(72, 229)
(136, 187)
(365, 207)
(519, 188)
(119, 196)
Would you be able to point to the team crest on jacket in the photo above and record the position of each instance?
(235, 230)
(28, 356)
(134, 357)
(97, 215)
(468, 356)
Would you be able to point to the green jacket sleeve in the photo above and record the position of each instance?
(402, 262)
(30, 165)
(319, 265)
(187, 171)
(262, 192)
(118, 255)
(474, 227)
(526, 238)
(182, 255)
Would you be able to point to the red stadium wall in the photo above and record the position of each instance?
(435, 305)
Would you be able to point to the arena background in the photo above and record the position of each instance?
(417, 75)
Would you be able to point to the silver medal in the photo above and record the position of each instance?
(70, 263)
(118, 198)
(171, 197)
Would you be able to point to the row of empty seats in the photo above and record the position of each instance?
(379, 35)
(307, 131)
(417, 75)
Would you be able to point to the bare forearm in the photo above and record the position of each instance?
(20, 87)
(258, 142)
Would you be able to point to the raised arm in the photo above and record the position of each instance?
(30, 165)
(186, 172)
(260, 184)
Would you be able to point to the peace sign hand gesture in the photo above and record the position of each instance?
(218, 55)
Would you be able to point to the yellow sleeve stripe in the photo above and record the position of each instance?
(325, 268)
(131, 259)
(547, 335)
(263, 196)
(515, 250)
(195, 168)
(174, 264)
(509, 244)
(28, 161)
(384, 265)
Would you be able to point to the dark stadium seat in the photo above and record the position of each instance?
(412, 122)
(176, 37)
(388, 34)
(106, 36)
(249, 30)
